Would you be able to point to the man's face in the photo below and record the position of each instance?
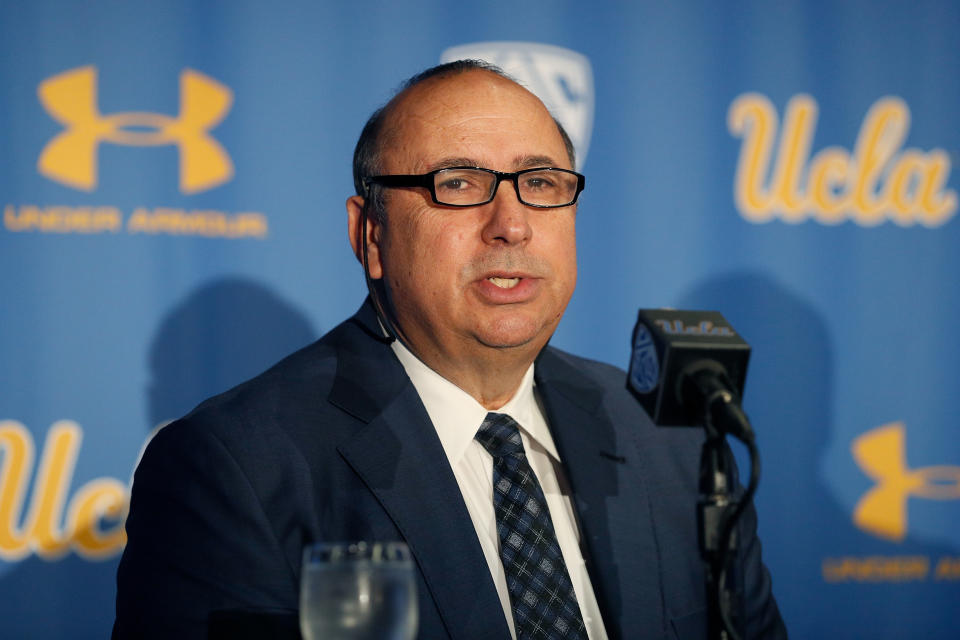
(463, 281)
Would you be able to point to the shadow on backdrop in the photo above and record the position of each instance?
(223, 333)
(789, 398)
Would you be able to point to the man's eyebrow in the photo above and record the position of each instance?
(446, 163)
(529, 162)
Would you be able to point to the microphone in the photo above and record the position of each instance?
(689, 368)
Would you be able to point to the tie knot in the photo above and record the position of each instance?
(499, 435)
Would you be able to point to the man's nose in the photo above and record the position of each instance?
(509, 220)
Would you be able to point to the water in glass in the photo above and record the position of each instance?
(358, 591)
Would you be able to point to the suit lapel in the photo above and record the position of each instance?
(603, 466)
(399, 457)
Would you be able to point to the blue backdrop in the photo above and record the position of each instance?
(172, 179)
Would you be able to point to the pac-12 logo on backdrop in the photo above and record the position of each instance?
(561, 78)
(71, 156)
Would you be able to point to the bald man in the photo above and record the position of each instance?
(536, 497)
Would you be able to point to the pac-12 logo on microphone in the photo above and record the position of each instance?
(644, 364)
(561, 78)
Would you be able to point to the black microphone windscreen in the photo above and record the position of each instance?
(666, 345)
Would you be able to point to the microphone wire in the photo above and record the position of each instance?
(730, 521)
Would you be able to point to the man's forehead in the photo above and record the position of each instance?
(454, 87)
(460, 112)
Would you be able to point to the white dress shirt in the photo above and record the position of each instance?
(457, 417)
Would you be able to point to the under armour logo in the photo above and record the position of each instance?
(881, 454)
(71, 157)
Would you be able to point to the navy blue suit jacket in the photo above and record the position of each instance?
(334, 444)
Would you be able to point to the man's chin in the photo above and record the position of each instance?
(503, 345)
(519, 338)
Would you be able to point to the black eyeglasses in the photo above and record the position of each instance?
(545, 187)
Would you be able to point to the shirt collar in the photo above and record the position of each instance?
(457, 416)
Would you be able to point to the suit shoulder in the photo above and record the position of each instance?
(599, 386)
(603, 374)
(308, 371)
(296, 380)
(291, 402)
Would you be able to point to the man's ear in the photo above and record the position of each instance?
(355, 217)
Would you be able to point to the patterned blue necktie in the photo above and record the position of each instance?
(541, 594)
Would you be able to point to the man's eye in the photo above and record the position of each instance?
(538, 183)
(454, 184)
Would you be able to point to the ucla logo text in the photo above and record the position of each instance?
(45, 529)
(878, 181)
(702, 328)
(71, 157)
(882, 454)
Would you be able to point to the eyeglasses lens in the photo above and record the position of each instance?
(465, 187)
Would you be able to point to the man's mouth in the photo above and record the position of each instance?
(505, 283)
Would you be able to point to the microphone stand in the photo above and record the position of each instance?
(715, 502)
(717, 509)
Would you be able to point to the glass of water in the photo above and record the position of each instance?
(358, 590)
